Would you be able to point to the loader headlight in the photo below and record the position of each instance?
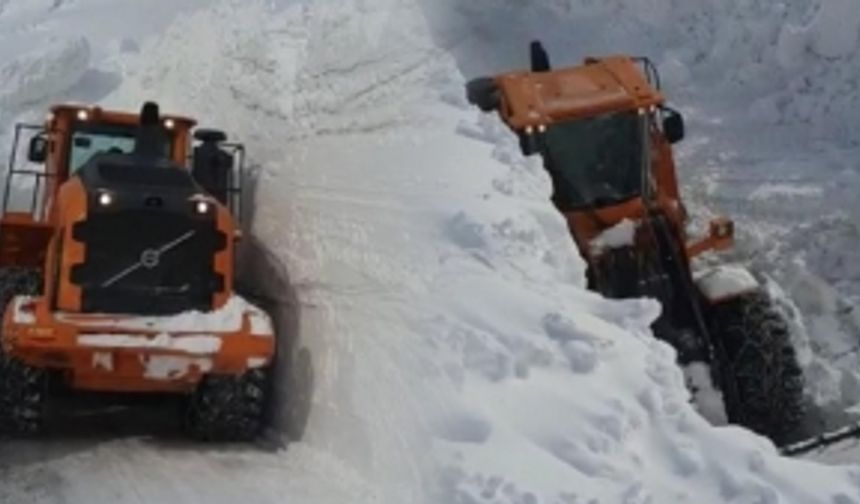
(83, 115)
(202, 207)
(169, 124)
(105, 199)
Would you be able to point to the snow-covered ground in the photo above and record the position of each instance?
(443, 340)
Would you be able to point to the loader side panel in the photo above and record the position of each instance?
(23, 241)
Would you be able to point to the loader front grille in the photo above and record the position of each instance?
(148, 261)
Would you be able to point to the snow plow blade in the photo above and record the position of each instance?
(821, 442)
(139, 354)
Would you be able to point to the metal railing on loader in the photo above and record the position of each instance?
(13, 172)
(237, 176)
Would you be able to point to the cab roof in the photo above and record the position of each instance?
(99, 114)
(599, 86)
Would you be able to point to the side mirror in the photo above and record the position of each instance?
(539, 57)
(210, 135)
(673, 126)
(38, 149)
(484, 94)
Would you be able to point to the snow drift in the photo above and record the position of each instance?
(453, 351)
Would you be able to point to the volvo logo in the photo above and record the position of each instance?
(149, 258)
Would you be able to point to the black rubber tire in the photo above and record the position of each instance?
(762, 364)
(229, 408)
(23, 389)
(18, 282)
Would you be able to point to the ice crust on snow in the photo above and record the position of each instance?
(835, 29)
(54, 66)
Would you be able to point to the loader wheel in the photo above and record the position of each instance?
(18, 282)
(229, 408)
(22, 388)
(762, 364)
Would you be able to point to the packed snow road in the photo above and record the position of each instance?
(444, 349)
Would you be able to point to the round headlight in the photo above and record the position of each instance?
(105, 199)
(202, 207)
(83, 115)
(169, 123)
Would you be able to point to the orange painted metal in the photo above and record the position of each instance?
(599, 87)
(534, 100)
(25, 240)
(48, 341)
(720, 237)
(44, 239)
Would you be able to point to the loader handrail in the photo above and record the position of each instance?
(237, 176)
(650, 71)
(12, 171)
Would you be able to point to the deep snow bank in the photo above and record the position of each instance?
(560, 396)
(771, 95)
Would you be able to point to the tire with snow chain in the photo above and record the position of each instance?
(229, 408)
(23, 389)
(18, 282)
(762, 366)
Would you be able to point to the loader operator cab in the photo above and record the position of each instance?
(46, 156)
(603, 131)
(603, 161)
(91, 140)
(595, 162)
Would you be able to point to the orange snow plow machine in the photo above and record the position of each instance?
(604, 133)
(117, 244)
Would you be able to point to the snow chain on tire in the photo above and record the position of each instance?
(229, 408)
(23, 389)
(766, 374)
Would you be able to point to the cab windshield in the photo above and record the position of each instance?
(97, 139)
(596, 162)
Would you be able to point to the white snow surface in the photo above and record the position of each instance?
(619, 235)
(19, 315)
(172, 367)
(456, 355)
(199, 345)
(721, 282)
(228, 318)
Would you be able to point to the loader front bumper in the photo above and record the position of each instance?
(139, 354)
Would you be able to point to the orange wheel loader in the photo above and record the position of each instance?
(604, 133)
(117, 243)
